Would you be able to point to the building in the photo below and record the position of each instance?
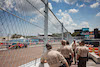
(50, 37)
(42, 34)
(78, 30)
(91, 35)
(82, 33)
(4, 38)
(96, 33)
(85, 32)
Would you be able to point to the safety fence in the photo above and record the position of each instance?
(96, 50)
(22, 31)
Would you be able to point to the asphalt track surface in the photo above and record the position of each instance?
(17, 57)
(90, 63)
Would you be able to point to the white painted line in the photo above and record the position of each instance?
(35, 63)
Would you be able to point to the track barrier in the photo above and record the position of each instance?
(96, 50)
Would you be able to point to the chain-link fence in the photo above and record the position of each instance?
(22, 27)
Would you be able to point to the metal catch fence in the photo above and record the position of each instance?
(25, 27)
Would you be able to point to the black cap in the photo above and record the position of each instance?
(48, 46)
(67, 42)
(82, 41)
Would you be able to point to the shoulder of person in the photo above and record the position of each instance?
(77, 47)
(68, 46)
(87, 48)
(80, 48)
(59, 48)
(73, 43)
(56, 51)
(45, 53)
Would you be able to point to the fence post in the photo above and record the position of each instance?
(62, 30)
(46, 26)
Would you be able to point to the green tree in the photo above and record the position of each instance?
(75, 33)
(16, 36)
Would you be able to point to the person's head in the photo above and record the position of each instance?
(3, 39)
(82, 43)
(48, 46)
(67, 42)
(63, 42)
(74, 41)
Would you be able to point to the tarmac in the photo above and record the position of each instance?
(90, 63)
(18, 57)
(27, 57)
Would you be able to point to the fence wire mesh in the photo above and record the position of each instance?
(20, 22)
(22, 31)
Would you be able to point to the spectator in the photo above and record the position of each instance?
(53, 58)
(82, 55)
(66, 50)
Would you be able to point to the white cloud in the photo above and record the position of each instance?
(50, 6)
(27, 12)
(98, 14)
(84, 24)
(60, 11)
(91, 1)
(56, 1)
(67, 20)
(74, 24)
(37, 18)
(32, 20)
(73, 11)
(73, 1)
(95, 5)
(65, 17)
(66, 1)
(88, 1)
(70, 1)
(6, 4)
(98, 0)
(22, 6)
(82, 5)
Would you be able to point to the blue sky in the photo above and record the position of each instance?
(74, 14)
(82, 13)
(10, 24)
